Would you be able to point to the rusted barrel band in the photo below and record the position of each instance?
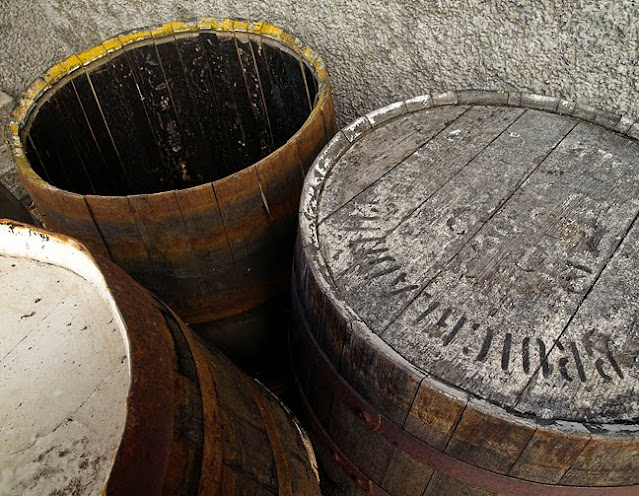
(282, 468)
(432, 458)
(321, 437)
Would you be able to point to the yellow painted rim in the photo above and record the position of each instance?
(82, 60)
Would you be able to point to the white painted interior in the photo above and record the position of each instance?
(64, 374)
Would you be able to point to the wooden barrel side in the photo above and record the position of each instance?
(220, 440)
(212, 250)
(255, 445)
(163, 404)
(371, 451)
(194, 423)
(532, 456)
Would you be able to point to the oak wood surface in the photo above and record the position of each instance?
(517, 246)
(465, 264)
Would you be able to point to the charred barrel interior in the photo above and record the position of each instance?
(170, 113)
(179, 151)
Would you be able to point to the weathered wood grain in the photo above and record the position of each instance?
(410, 182)
(88, 148)
(405, 475)
(307, 364)
(206, 232)
(603, 330)
(453, 212)
(195, 147)
(96, 118)
(551, 451)
(494, 258)
(485, 440)
(540, 243)
(609, 459)
(114, 218)
(263, 135)
(435, 412)
(188, 427)
(68, 149)
(355, 438)
(288, 90)
(68, 211)
(326, 323)
(211, 253)
(212, 463)
(378, 377)
(125, 119)
(225, 70)
(175, 266)
(216, 142)
(280, 176)
(271, 108)
(401, 138)
(160, 109)
(244, 212)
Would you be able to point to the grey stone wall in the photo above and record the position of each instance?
(378, 51)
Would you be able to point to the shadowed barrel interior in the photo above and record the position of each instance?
(170, 113)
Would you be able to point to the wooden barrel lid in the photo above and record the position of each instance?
(490, 239)
(64, 370)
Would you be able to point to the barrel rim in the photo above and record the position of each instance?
(23, 112)
(145, 423)
(345, 138)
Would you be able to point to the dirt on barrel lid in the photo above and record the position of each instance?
(493, 246)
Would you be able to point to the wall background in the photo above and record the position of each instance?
(378, 51)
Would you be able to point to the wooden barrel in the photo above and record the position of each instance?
(179, 153)
(466, 299)
(104, 390)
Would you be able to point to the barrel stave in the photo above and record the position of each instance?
(607, 460)
(550, 453)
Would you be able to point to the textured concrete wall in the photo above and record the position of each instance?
(377, 51)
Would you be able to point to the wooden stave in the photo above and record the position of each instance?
(259, 203)
(166, 446)
(605, 445)
(213, 452)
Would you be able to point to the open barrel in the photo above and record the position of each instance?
(179, 153)
(104, 390)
